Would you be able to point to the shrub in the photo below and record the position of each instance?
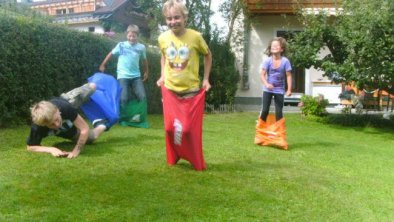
(224, 76)
(354, 120)
(40, 60)
(153, 92)
(313, 105)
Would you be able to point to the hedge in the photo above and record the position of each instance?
(39, 60)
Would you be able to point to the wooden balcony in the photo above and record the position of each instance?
(287, 6)
(49, 7)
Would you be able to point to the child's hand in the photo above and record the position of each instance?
(269, 86)
(288, 93)
(58, 153)
(206, 85)
(145, 76)
(102, 68)
(73, 154)
(160, 82)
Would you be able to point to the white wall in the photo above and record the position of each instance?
(328, 90)
(263, 29)
(85, 27)
(319, 84)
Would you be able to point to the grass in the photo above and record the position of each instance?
(329, 173)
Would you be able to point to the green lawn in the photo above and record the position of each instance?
(329, 173)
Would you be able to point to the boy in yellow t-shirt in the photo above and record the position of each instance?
(180, 48)
(183, 100)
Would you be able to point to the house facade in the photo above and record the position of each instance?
(87, 15)
(77, 14)
(276, 18)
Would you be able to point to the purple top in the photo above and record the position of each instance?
(276, 76)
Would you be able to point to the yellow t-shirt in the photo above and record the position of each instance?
(182, 60)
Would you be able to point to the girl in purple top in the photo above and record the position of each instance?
(274, 70)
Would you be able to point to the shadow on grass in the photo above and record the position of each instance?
(182, 165)
(367, 129)
(88, 150)
(312, 144)
(136, 139)
(303, 145)
(109, 144)
(246, 166)
(359, 121)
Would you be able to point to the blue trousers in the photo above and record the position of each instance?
(131, 88)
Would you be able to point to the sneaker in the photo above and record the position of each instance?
(136, 118)
(103, 122)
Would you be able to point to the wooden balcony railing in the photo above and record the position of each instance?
(287, 6)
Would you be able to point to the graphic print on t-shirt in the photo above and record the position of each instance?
(178, 57)
(66, 125)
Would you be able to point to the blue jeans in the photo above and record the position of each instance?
(131, 88)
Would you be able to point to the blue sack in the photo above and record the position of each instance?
(104, 103)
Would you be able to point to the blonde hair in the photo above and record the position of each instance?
(133, 28)
(282, 42)
(177, 5)
(43, 113)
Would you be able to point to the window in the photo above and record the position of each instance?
(107, 28)
(61, 11)
(298, 73)
(92, 29)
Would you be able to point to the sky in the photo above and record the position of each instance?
(217, 17)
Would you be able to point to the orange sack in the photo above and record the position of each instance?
(271, 132)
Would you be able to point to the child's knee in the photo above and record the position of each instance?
(93, 86)
(91, 137)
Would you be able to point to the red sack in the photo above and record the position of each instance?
(183, 127)
(271, 133)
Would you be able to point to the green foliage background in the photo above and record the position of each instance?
(224, 76)
(315, 106)
(360, 38)
(39, 60)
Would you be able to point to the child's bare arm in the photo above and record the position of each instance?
(56, 152)
(289, 83)
(106, 59)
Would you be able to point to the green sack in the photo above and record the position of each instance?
(134, 114)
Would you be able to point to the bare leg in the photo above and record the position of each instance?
(99, 130)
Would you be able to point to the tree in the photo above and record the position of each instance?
(199, 14)
(224, 76)
(231, 11)
(360, 38)
(153, 10)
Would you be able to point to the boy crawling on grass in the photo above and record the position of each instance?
(59, 117)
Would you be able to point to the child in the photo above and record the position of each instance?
(183, 100)
(273, 73)
(130, 53)
(59, 117)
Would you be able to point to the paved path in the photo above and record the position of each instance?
(295, 109)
